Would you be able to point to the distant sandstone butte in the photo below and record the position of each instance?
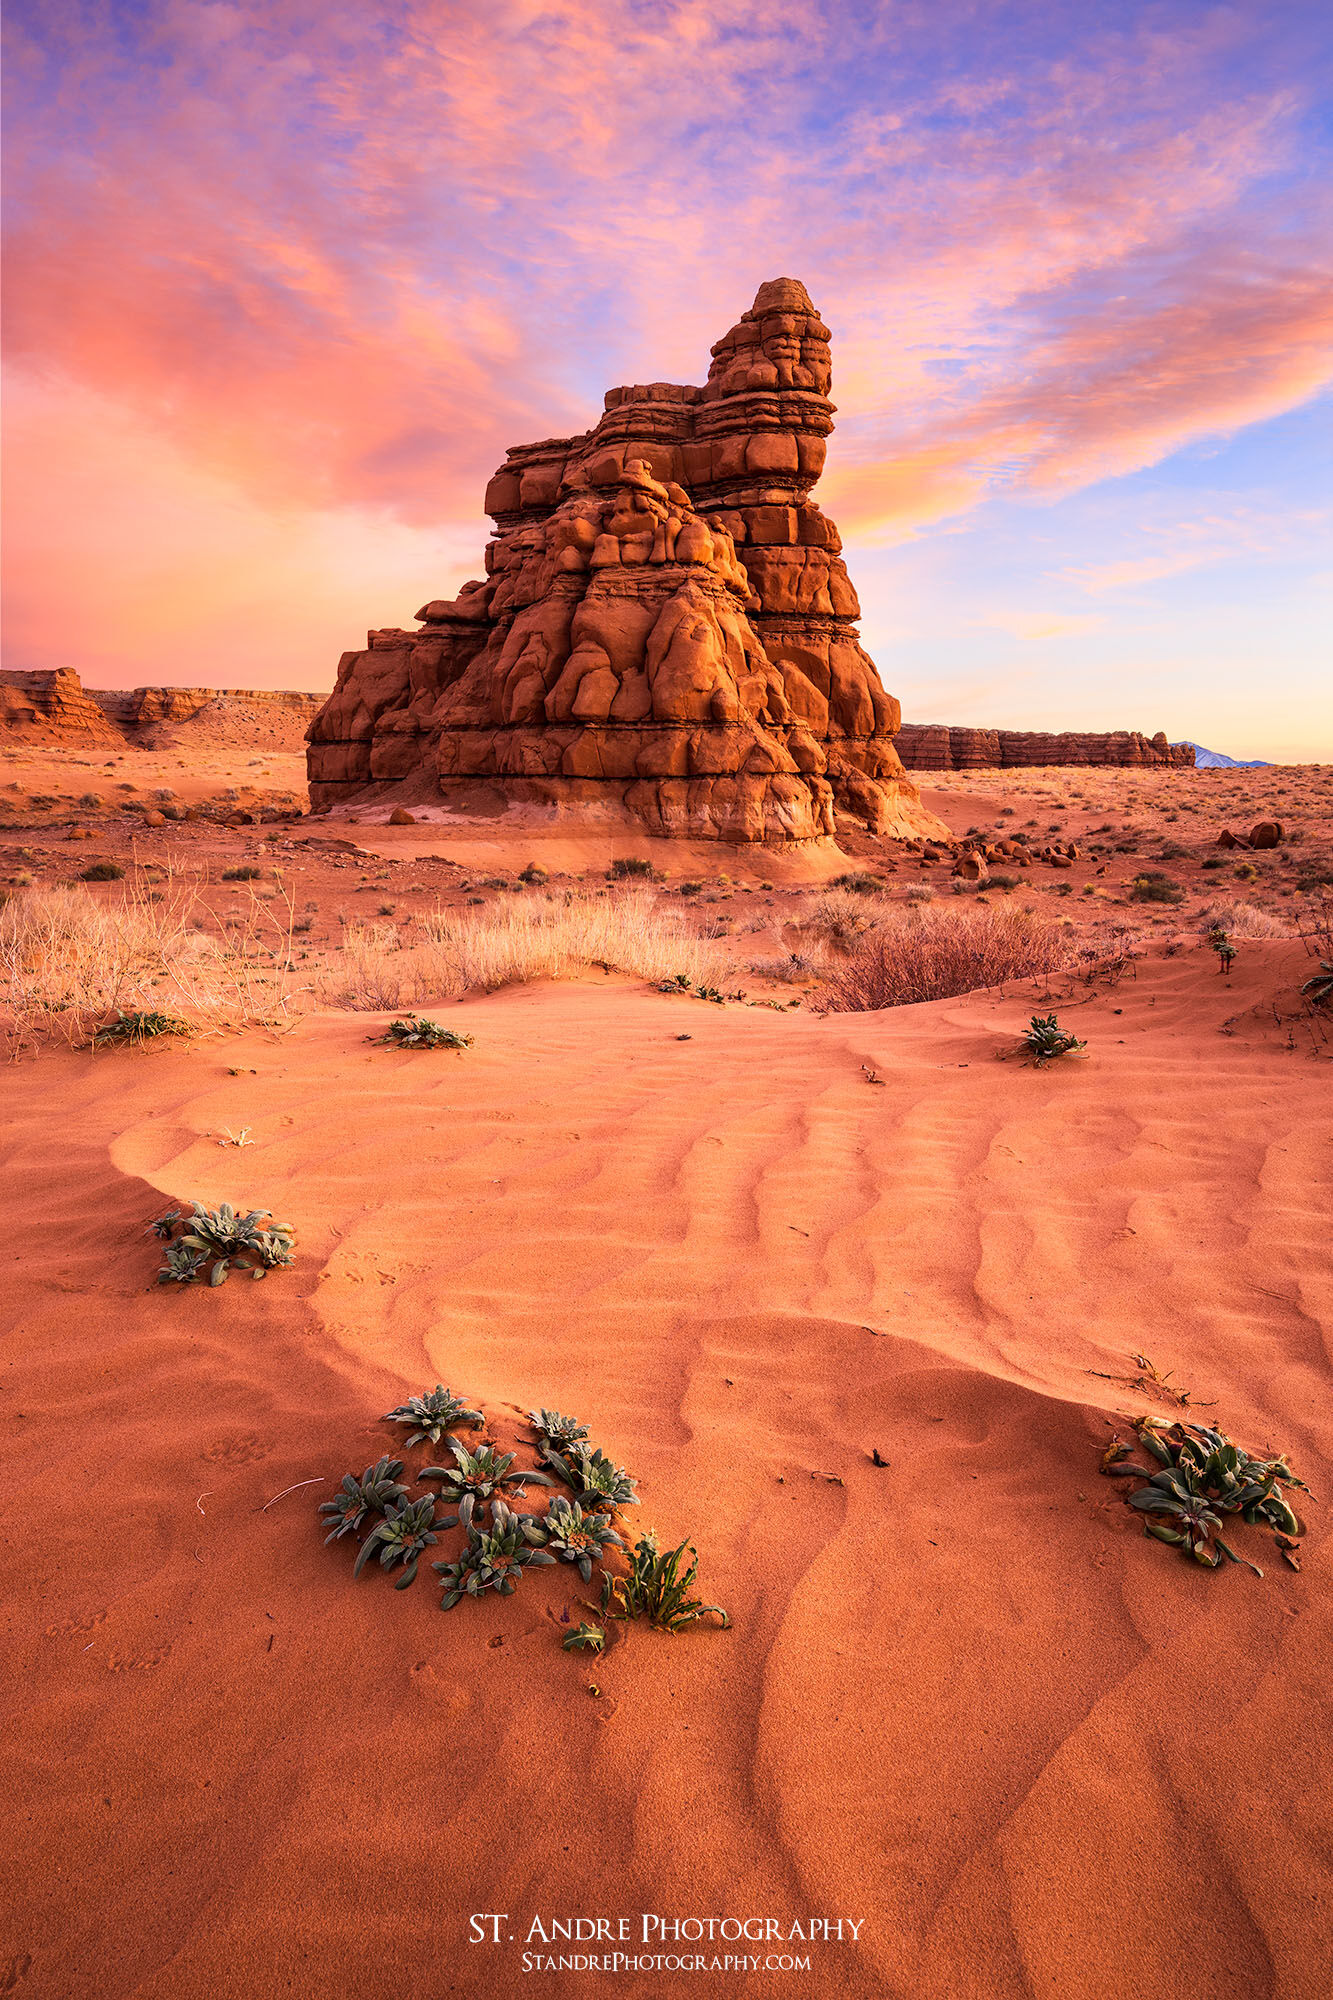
(53, 706)
(666, 632)
(933, 746)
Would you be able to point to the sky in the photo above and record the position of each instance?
(284, 280)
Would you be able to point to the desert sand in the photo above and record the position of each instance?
(964, 1703)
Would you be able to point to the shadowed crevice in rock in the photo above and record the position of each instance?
(666, 630)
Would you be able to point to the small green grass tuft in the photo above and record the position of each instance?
(657, 1588)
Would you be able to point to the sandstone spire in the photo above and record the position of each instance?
(666, 631)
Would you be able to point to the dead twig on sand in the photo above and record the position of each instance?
(317, 1481)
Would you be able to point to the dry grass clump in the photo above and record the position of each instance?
(936, 952)
(792, 968)
(1240, 919)
(373, 972)
(839, 917)
(538, 937)
(70, 961)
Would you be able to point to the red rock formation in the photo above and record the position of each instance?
(54, 706)
(666, 631)
(932, 746)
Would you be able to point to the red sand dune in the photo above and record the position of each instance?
(964, 1702)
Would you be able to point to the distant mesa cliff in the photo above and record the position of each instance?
(55, 707)
(935, 746)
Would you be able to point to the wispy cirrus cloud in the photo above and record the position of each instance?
(340, 258)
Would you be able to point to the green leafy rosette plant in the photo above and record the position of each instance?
(1044, 1040)
(576, 1537)
(593, 1479)
(213, 1242)
(1200, 1477)
(433, 1413)
(377, 1489)
(403, 1536)
(493, 1558)
(556, 1433)
(475, 1480)
(417, 1032)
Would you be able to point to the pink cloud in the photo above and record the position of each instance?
(340, 258)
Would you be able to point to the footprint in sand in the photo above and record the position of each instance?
(239, 1450)
(67, 1629)
(136, 1663)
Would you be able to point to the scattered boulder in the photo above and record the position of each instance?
(971, 867)
(1268, 833)
(400, 816)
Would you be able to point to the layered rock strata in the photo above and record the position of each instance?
(53, 706)
(666, 631)
(934, 746)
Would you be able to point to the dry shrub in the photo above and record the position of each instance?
(792, 968)
(372, 972)
(1242, 920)
(69, 960)
(937, 952)
(839, 917)
(536, 937)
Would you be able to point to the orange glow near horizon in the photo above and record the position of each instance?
(283, 285)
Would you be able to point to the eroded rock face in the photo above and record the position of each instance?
(666, 631)
(51, 706)
(935, 746)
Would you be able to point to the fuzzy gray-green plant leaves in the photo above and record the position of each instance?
(181, 1266)
(215, 1240)
(377, 1488)
(401, 1537)
(417, 1032)
(575, 1537)
(593, 1479)
(1202, 1476)
(475, 1479)
(493, 1558)
(1045, 1040)
(434, 1412)
(556, 1433)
